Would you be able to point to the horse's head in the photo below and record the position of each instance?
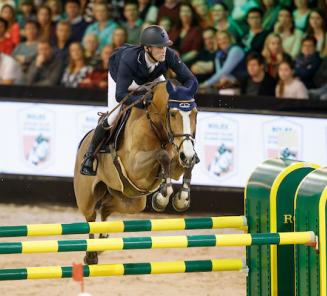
(181, 122)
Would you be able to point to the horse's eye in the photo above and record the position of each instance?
(173, 114)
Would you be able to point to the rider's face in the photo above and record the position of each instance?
(159, 53)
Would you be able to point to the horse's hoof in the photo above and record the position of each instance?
(181, 202)
(91, 260)
(159, 202)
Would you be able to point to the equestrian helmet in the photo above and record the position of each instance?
(155, 36)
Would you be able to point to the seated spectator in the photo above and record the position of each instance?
(170, 9)
(147, 11)
(308, 62)
(26, 51)
(241, 9)
(320, 81)
(6, 45)
(56, 10)
(62, 40)
(133, 24)
(301, 14)
(270, 16)
(222, 22)
(317, 29)
(201, 7)
(44, 18)
(27, 13)
(119, 37)
(45, 69)
(254, 40)
(77, 69)
(291, 36)
(258, 82)
(204, 67)
(74, 17)
(12, 3)
(186, 35)
(99, 76)
(273, 53)
(228, 61)
(9, 14)
(104, 25)
(288, 86)
(10, 70)
(91, 49)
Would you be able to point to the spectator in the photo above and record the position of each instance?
(10, 71)
(291, 36)
(25, 51)
(222, 22)
(119, 37)
(170, 9)
(44, 17)
(203, 67)
(186, 35)
(273, 53)
(91, 49)
(289, 86)
(254, 40)
(133, 24)
(317, 29)
(73, 15)
(77, 69)
(8, 13)
(12, 3)
(27, 13)
(99, 76)
(56, 10)
(241, 9)
(258, 82)
(104, 25)
(62, 40)
(320, 81)
(201, 7)
(301, 14)
(6, 45)
(228, 61)
(308, 62)
(45, 69)
(148, 13)
(271, 10)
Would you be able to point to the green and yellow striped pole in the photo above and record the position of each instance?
(57, 272)
(238, 222)
(158, 242)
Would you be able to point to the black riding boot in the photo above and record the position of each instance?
(87, 164)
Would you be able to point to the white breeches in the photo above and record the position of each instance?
(112, 103)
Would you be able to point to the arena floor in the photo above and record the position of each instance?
(200, 284)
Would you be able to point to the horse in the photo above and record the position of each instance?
(157, 145)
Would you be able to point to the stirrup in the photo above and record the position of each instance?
(87, 166)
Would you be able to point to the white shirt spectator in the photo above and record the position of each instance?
(295, 90)
(10, 70)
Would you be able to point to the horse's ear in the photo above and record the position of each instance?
(170, 88)
(194, 87)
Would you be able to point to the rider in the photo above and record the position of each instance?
(130, 67)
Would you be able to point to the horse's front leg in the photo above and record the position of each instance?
(160, 199)
(182, 199)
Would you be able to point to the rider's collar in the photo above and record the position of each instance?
(149, 63)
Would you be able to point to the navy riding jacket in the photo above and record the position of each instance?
(128, 63)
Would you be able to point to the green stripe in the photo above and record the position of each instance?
(201, 241)
(137, 225)
(198, 265)
(137, 268)
(11, 248)
(8, 231)
(137, 243)
(265, 238)
(196, 223)
(13, 274)
(71, 246)
(75, 228)
(67, 271)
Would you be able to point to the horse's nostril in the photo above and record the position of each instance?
(182, 156)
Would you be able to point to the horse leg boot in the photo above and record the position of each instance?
(99, 133)
(182, 200)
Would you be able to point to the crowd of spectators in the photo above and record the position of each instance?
(252, 47)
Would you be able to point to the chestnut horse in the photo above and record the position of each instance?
(157, 145)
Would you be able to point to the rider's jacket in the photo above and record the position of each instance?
(128, 63)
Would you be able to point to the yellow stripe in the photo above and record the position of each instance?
(296, 238)
(44, 229)
(167, 267)
(227, 264)
(40, 247)
(103, 227)
(322, 242)
(106, 269)
(105, 244)
(173, 224)
(230, 222)
(273, 218)
(224, 240)
(52, 272)
(168, 241)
